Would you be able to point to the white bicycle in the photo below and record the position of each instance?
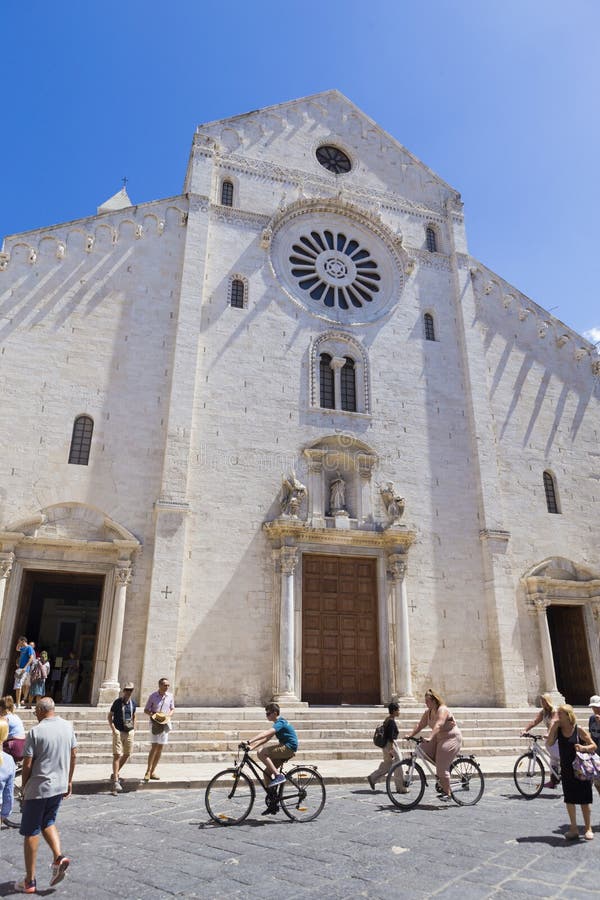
(529, 772)
(406, 780)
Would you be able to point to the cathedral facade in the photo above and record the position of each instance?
(283, 436)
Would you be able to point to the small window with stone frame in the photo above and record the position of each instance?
(429, 327)
(237, 293)
(550, 492)
(431, 239)
(81, 441)
(226, 193)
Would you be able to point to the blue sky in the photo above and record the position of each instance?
(499, 97)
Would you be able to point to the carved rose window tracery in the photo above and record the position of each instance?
(334, 269)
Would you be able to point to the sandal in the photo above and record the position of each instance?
(571, 835)
(589, 835)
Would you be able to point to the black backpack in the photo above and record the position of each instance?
(379, 735)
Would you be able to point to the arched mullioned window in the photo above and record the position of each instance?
(348, 385)
(227, 193)
(431, 239)
(428, 325)
(326, 381)
(550, 491)
(81, 441)
(237, 293)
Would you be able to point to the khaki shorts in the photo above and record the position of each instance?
(123, 743)
(278, 753)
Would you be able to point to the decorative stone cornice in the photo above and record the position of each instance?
(283, 532)
(234, 216)
(494, 534)
(432, 260)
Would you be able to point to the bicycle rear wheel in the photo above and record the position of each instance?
(466, 781)
(529, 775)
(405, 783)
(229, 797)
(302, 797)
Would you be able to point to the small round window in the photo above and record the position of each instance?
(333, 159)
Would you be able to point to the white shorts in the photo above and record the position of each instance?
(162, 738)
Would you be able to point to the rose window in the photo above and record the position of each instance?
(334, 269)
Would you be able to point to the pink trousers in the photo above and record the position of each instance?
(442, 749)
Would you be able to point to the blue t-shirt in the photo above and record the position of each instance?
(25, 654)
(286, 734)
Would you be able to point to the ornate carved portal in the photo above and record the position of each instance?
(565, 597)
(69, 544)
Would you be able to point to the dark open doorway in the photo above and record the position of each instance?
(60, 612)
(571, 655)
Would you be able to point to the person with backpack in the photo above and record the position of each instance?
(385, 737)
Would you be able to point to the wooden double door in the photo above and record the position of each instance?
(572, 664)
(340, 654)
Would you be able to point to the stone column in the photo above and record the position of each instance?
(541, 605)
(316, 511)
(6, 564)
(337, 364)
(364, 512)
(396, 567)
(110, 686)
(286, 678)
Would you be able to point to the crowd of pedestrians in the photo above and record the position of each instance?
(48, 752)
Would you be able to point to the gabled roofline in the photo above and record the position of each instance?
(114, 212)
(333, 92)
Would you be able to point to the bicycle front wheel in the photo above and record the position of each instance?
(229, 797)
(529, 775)
(466, 781)
(405, 784)
(302, 797)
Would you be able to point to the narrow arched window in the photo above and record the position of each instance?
(326, 381)
(429, 329)
(348, 386)
(431, 239)
(237, 293)
(227, 193)
(550, 491)
(81, 441)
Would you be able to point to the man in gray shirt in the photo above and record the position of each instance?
(48, 766)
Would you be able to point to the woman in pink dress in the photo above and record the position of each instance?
(445, 740)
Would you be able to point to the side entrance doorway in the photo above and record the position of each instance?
(60, 612)
(340, 654)
(572, 664)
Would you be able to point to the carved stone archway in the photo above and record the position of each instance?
(562, 582)
(70, 537)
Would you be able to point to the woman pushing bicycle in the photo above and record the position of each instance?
(445, 740)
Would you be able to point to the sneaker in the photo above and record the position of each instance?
(278, 779)
(25, 887)
(59, 870)
(117, 786)
(445, 798)
(271, 810)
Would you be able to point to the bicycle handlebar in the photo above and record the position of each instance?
(416, 740)
(532, 737)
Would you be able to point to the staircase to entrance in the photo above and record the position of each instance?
(329, 732)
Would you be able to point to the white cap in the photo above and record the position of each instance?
(594, 701)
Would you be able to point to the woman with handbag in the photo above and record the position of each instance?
(594, 726)
(159, 707)
(572, 740)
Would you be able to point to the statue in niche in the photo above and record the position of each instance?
(393, 502)
(337, 495)
(292, 494)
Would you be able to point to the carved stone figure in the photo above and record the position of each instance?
(337, 495)
(393, 502)
(292, 494)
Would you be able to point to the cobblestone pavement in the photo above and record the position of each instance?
(160, 844)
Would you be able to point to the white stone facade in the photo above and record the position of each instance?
(199, 407)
